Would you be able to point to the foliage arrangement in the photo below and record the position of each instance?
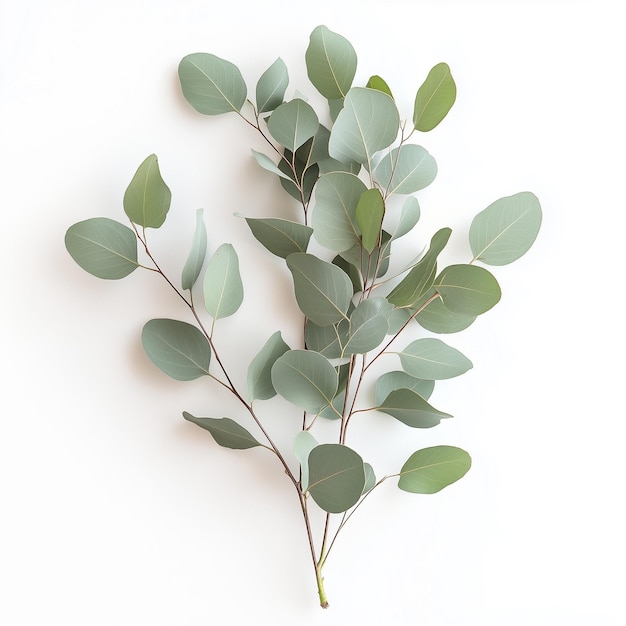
(343, 176)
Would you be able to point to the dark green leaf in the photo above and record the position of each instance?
(147, 198)
(270, 89)
(280, 237)
(351, 270)
(432, 359)
(467, 289)
(370, 211)
(226, 432)
(434, 98)
(411, 409)
(223, 290)
(260, 385)
(431, 469)
(195, 260)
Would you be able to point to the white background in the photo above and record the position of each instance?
(117, 511)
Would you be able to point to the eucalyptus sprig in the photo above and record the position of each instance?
(354, 311)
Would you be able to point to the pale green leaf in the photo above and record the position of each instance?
(467, 289)
(211, 85)
(370, 478)
(370, 211)
(409, 217)
(226, 432)
(336, 477)
(432, 359)
(259, 380)
(506, 229)
(147, 198)
(390, 381)
(411, 409)
(271, 86)
(267, 164)
(434, 98)
(195, 260)
(431, 469)
(103, 247)
(223, 289)
(293, 123)
(438, 318)
(177, 348)
(280, 237)
(406, 169)
(302, 446)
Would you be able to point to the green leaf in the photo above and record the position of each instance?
(223, 290)
(302, 446)
(195, 260)
(434, 98)
(409, 217)
(420, 279)
(260, 385)
(330, 62)
(431, 469)
(271, 87)
(280, 237)
(337, 195)
(411, 409)
(176, 348)
(390, 381)
(406, 169)
(336, 477)
(147, 198)
(323, 291)
(267, 164)
(327, 340)
(334, 108)
(375, 264)
(370, 478)
(211, 85)
(467, 289)
(376, 82)
(368, 122)
(293, 123)
(369, 323)
(305, 177)
(226, 432)
(432, 359)
(103, 247)
(305, 378)
(351, 270)
(438, 318)
(506, 229)
(370, 211)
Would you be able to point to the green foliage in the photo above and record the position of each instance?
(354, 181)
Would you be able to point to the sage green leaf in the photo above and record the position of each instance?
(293, 123)
(406, 169)
(305, 378)
(211, 85)
(280, 237)
(267, 164)
(438, 318)
(330, 62)
(334, 108)
(302, 446)
(329, 165)
(147, 198)
(351, 270)
(176, 348)
(376, 82)
(335, 409)
(260, 385)
(375, 264)
(323, 291)
(506, 229)
(301, 184)
(226, 432)
(368, 327)
(370, 478)
(409, 217)
(327, 340)
(432, 359)
(468, 289)
(390, 381)
(195, 260)
(368, 122)
(103, 247)
(271, 87)
(337, 195)
(370, 211)
(431, 469)
(336, 477)
(434, 98)
(420, 278)
(411, 409)
(223, 290)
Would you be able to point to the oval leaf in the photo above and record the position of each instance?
(376, 82)
(438, 318)
(370, 211)
(370, 478)
(506, 229)
(327, 340)
(195, 260)
(176, 348)
(280, 237)
(409, 217)
(147, 198)
(211, 85)
(226, 432)
(323, 291)
(406, 169)
(411, 409)
(330, 63)
(390, 381)
(302, 446)
(431, 469)
(223, 290)
(305, 378)
(103, 247)
(434, 98)
(467, 289)
(368, 122)
(432, 359)
(336, 477)
(293, 123)
(260, 369)
(270, 89)
(369, 324)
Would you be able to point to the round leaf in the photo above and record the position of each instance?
(223, 290)
(195, 260)
(467, 289)
(293, 123)
(431, 469)
(103, 247)
(176, 348)
(432, 359)
(226, 432)
(270, 89)
(147, 198)
(376, 82)
(369, 324)
(406, 169)
(438, 318)
(211, 85)
(434, 98)
(336, 477)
